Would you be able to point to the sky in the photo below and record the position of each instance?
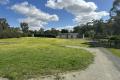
(53, 13)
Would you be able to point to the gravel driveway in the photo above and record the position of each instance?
(102, 69)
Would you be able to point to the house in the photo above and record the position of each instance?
(68, 35)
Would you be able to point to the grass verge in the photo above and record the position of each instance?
(115, 51)
(24, 58)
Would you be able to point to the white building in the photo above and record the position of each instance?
(68, 35)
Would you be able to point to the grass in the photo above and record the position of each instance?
(115, 51)
(24, 58)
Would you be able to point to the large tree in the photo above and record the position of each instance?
(54, 32)
(64, 31)
(99, 27)
(24, 27)
(115, 16)
(3, 24)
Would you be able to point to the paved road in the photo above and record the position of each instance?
(105, 67)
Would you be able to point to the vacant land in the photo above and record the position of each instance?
(24, 58)
(115, 51)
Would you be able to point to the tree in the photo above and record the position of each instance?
(109, 27)
(115, 10)
(54, 32)
(99, 26)
(24, 27)
(87, 30)
(77, 29)
(115, 16)
(64, 31)
(3, 24)
(41, 31)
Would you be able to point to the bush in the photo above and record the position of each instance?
(10, 34)
(115, 41)
(100, 37)
(115, 38)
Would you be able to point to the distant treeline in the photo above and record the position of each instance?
(23, 31)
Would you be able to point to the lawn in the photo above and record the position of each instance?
(23, 58)
(115, 51)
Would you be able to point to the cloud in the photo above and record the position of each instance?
(83, 11)
(34, 16)
(4, 2)
(66, 27)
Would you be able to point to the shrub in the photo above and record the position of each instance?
(10, 34)
(100, 37)
(115, 38)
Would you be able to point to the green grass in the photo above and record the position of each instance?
(115, 51)
(24, 58)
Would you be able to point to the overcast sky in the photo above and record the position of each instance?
(54, 13)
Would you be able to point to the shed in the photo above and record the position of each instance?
(68, 35)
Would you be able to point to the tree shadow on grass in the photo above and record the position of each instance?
(92, 44)
(95, 44)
